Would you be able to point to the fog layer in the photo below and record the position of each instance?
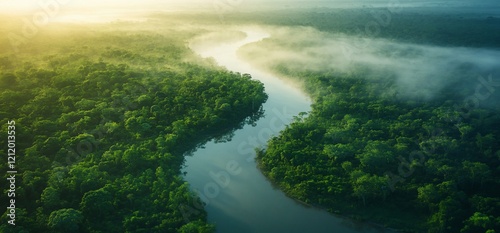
(419, 70)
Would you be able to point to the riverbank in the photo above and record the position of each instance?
(394, 143)
(342, 208)
(246, 201)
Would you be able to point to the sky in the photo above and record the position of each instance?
(96, 7)
(26, 6)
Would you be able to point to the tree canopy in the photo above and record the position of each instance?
(103, 120)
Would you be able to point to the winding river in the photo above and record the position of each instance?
(238, 197)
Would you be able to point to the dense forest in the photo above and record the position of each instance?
(103, 118)
(412, 166)
(370, 151)
(105, 113)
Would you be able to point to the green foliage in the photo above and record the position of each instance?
(196, 227)
(378, 157)
(103, 121)
(65, 220)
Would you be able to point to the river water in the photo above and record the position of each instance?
(239, 198)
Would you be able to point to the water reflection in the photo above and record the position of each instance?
(238, 197)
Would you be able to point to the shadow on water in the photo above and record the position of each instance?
(238, 197)
(222, 135)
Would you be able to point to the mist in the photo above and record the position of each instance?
(420, 71)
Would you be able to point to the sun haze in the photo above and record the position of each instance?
(27, 6)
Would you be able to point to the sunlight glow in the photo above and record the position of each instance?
(96, 11)
(89, 6)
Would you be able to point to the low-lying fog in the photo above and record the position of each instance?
(420, 70)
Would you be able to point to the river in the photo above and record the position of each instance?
(225, 175)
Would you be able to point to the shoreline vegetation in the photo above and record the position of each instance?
(379, 152)
(106, 113)
(352, 217)
(277, 161)
(104, 117)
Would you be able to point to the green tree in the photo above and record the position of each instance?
(475, 172)
(429, 196)
(367, 186)
(197, 227)
(51, 199)
(8, 80)
(65, 220)
(97, 205)
(479, 222)
(377, 157)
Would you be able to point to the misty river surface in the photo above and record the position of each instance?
(225, 175)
